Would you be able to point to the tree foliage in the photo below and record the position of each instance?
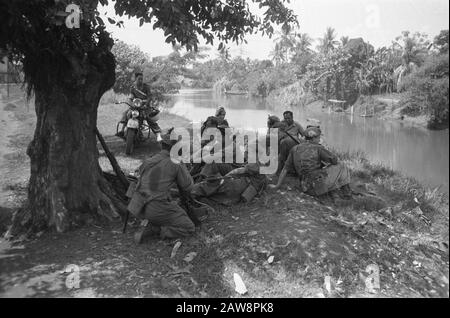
(427, 91)
(328, 42)
(34, 31)
(129, 59)
(441, 41)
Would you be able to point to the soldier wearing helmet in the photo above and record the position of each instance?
(318, 169)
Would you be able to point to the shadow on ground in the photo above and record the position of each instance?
(308, 241)
(318, 249)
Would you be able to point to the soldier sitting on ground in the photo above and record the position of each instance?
(290, 135)
(318, 169)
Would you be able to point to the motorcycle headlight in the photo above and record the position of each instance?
(137, 102)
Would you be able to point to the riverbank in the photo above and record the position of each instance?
(390, 107)
(385, 107)
(393, 223)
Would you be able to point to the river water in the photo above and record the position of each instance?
(416, 152)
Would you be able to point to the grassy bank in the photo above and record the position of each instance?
(392, 221)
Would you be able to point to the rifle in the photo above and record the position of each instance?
(119, 173)
(292, 137)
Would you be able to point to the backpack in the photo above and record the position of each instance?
(308, 156)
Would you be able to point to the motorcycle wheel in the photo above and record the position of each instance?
(131, 134)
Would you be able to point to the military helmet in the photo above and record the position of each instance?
(313, 132)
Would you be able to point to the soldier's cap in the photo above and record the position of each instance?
(166, 138)
(313, 132)
(220, 111)
(273, 118)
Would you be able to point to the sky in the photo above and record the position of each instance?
(376, 21)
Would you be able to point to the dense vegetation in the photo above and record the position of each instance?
(427, 87)
(344, 69)
(163, 73)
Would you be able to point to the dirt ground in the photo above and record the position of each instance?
(318, 250)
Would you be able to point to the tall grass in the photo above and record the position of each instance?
(399, 188)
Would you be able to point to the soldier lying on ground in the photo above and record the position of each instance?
(307, 161)
(152, 200)
(241, 184)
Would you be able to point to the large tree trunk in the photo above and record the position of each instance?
(67, 187)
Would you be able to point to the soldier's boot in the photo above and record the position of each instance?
(147, 231)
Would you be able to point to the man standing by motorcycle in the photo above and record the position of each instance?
(142, 91)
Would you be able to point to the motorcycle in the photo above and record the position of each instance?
(136, 129)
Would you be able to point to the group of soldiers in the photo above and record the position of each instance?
(173, 199)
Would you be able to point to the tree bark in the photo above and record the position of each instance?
(67, 187)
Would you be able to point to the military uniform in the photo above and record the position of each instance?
(286, 142)
(152, 201)
(143, 93)
(307, 161)
(230, 190)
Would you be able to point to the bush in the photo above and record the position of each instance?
(264, 82)
(427, 92)
(288, 97)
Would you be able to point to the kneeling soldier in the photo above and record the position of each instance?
(152, 200)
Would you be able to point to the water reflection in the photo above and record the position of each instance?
(416, 152)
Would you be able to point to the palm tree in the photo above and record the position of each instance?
(344, 40)
(286, 42)
(277, 54)
(413, 52)
(303, 43)
(328, 43)
(302, 51)
(413, 48)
